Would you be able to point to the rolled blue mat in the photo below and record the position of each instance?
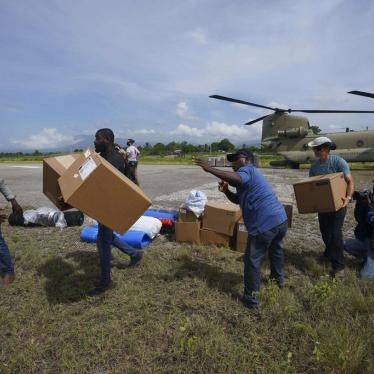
(137, 239)
(160, 214)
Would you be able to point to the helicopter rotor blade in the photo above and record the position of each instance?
(257, 120)
(362, 93)
(329, 111)
(225, 98)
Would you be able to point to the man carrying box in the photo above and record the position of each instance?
(331, 224)
(264, 217)
(104, 144)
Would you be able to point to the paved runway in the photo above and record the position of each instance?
(167, 185)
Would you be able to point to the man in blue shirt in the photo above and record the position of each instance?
(331, 224)
(263, 215)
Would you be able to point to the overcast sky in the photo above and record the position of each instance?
(146, 68)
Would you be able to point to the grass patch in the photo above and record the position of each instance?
(179, 311)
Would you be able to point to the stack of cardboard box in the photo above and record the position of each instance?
(91, 184)
(187, 228)
(220, 224)
(241, 236)
(216, 226)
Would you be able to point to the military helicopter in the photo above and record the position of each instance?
(288, 135)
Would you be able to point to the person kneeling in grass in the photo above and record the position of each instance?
(264, 217)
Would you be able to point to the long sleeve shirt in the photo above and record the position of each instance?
(5, 190)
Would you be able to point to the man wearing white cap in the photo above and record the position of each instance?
(331, 224)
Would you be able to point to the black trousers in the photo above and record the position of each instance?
(331, 226)
(132, 171)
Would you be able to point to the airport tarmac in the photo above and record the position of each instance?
(167, 185)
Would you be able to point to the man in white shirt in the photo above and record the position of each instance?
(132, 154)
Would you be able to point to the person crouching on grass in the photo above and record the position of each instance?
(6, 265)
(264, 217)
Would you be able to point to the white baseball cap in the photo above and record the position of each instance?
(321, 140)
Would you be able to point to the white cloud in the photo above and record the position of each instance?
(218, 130)
(47, 138)
(183, 111)
(188, 131)
(144, 132)
(199, 35)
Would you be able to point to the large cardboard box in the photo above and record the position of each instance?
(320, 194)
(98, 189)
(208, 237)
(185, 215)
(187, 232)
(53, 168)
(241, 237)
(221, 217)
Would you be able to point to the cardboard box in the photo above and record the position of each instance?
(187, 232)
(288, 207)
(289, 211)
(208, 237)
(221, 217)
(241, 237)
(185, 215)
(98, 189)
(53, 168)
(320, 194)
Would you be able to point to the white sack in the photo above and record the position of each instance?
(196, 202)
(149, 225)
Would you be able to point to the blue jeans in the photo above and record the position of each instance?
(358, 248)
(256, 249)
(6, 265)
(105, 239)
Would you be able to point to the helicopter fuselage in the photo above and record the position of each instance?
(289, 135)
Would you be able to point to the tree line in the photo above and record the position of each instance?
(161, 149)
(158, 149)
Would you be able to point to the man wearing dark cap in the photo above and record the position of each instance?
(263, 215)
(331, 224)
(104, 144)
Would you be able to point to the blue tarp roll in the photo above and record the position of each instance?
(137, 239)
(160, 214)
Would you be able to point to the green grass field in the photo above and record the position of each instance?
(179, 311)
